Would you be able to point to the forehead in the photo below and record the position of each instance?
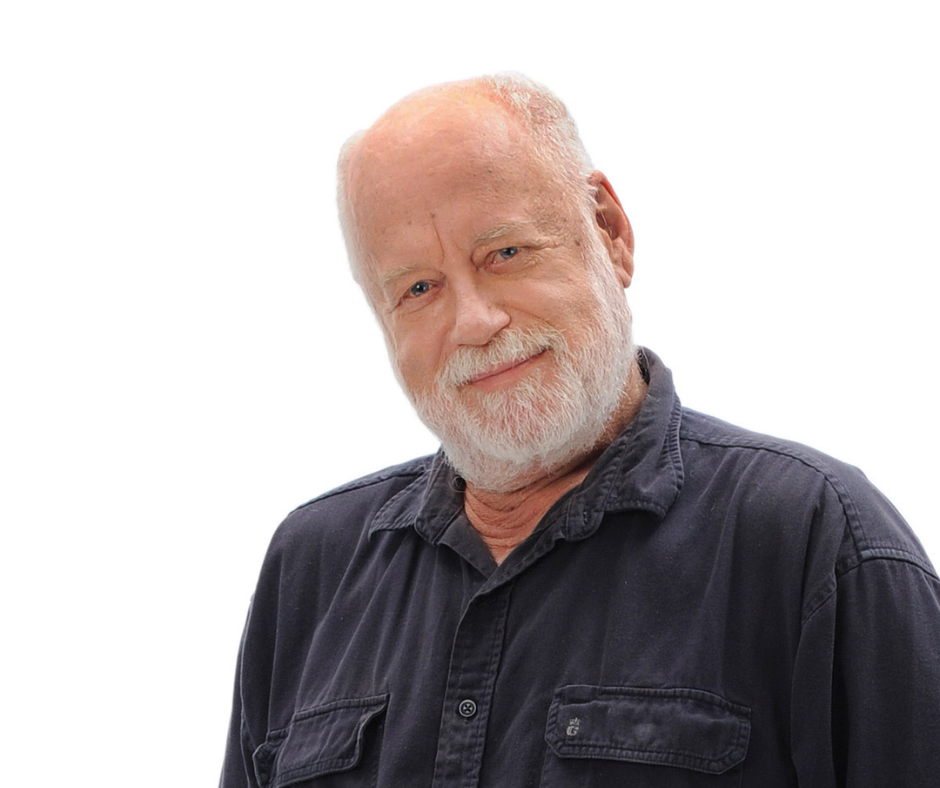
(462, 169)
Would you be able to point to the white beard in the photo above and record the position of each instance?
(501, 440)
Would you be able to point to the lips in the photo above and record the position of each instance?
(499, 369)
(510, 348)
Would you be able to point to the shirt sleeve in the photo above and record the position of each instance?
(237, 767)
(866, 690)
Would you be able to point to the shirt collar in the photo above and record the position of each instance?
(641, 470)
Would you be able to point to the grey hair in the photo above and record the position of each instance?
(555, 137)
(555, 142)
(347, 217)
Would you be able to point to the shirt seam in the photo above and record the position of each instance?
(853, 525)
(852, 520)
(892, 555)
(869, 552)
(410, 469)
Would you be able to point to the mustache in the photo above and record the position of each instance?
(511, 345)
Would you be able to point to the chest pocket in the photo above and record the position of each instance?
(638, 736)
(336, 744)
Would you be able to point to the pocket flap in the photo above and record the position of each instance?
(681, 727)
(319, 740)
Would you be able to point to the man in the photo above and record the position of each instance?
(589, 585)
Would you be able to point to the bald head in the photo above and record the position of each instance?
(488, 119)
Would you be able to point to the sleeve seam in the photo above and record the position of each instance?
(892, 554)
(887, 554)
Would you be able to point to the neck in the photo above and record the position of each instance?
(505, 519)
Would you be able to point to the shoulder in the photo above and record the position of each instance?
(319, 538)
(318, 545)
(347, 510)
(376, 486)
(720, 440)
(790, 480)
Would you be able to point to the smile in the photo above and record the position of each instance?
(504, 373)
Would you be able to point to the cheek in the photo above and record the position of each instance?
(416, 355)
(561, 305)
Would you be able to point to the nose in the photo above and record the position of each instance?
(478, 316)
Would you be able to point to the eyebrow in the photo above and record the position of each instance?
(493, 233)
(397, 273)
(501, 230)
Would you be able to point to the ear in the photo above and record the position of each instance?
(614, 227)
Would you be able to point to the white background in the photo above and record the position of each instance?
(185, 358)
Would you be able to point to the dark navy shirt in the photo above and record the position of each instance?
(710, 607)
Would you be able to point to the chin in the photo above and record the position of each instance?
(500, 475)
(521, 442)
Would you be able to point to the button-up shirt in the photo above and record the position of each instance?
(709, 607)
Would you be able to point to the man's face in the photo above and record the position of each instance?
(500, 302)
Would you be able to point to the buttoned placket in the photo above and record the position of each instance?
(476, 655)
(474, 664)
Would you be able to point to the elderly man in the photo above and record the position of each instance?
(589, 585)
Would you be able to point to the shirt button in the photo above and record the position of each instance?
(467, 708)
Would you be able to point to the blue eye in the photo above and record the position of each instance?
(507, 252)
(419, 288)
